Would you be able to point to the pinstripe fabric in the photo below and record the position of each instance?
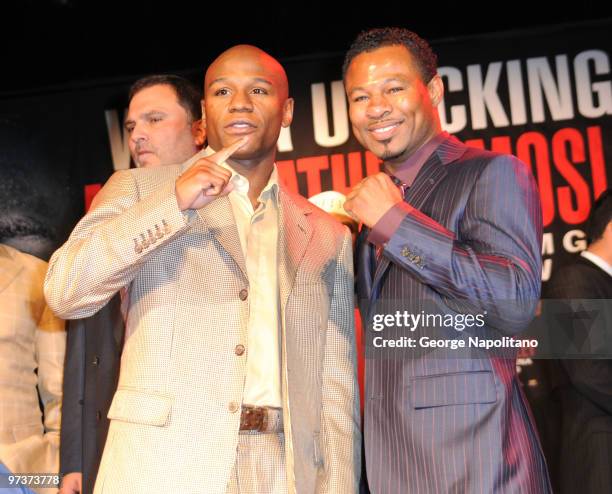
(439, 424)
(175, 416)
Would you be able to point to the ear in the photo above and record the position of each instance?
(287, 112)
(198, 132)
(435, 88)
(203, 120)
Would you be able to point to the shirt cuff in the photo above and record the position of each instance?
(386, 226)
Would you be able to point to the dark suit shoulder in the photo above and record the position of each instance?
(578, 279)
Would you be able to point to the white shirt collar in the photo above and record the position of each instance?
(598, 261)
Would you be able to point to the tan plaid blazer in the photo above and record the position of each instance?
(31, 337)
(175, 416)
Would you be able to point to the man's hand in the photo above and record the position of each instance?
(206, 179)
(372, 198)
(72, 483)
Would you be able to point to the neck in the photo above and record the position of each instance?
(400, 161)
(257, 172)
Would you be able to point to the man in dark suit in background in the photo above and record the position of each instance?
(450, 227)
(163, 127)
(585, 385)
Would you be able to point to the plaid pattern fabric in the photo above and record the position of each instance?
(31, 337)
(175, 416)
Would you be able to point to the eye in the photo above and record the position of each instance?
(129, 128)
(259, 90)
(153, 119)
(221, 92)
(359, 99)
(396, 89)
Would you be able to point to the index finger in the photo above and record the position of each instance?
(222, 155)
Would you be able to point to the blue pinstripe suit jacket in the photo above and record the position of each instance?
(438, 421)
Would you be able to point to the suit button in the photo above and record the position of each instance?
(233, 407)
(98, 415)
(244, 293)
(96, 360)
(239, 350)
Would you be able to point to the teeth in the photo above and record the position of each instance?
(384, 129)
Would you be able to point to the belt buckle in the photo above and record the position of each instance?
(253, 418)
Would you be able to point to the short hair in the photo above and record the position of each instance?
(372, 39)
(186, 91)
(601, 215)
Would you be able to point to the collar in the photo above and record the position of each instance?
(598, 261)
(409, 169)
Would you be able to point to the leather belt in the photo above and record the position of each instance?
(261, 419)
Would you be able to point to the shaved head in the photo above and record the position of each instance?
(246, 94)
(248, 54)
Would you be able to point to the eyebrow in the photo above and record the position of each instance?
(386, 81)
(256, 79)
(144, 115)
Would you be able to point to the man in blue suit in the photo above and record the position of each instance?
(451, 228)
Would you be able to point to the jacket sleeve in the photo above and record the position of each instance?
(50, 349)
(494, 265)
(110, 244)
(340, 434)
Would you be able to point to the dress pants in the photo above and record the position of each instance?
(260, 464)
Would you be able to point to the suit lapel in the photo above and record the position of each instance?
(426, 181)
(294, 234)
(217, 216)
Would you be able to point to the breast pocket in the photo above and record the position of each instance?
(460, 388)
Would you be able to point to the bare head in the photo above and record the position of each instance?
(246, 93)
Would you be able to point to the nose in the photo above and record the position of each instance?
(241, 102)
(138, 133)
(378, 106)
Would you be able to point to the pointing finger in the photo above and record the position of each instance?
(221, 156)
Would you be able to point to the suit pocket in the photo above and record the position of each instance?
(141, 407)
(461, 388)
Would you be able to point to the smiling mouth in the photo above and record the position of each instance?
(384, 130)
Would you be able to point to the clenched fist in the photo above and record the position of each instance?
(372, 198)
(206, 179)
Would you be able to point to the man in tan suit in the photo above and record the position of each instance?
(31, 337)
(238, 373)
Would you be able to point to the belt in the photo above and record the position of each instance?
(261, 419)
